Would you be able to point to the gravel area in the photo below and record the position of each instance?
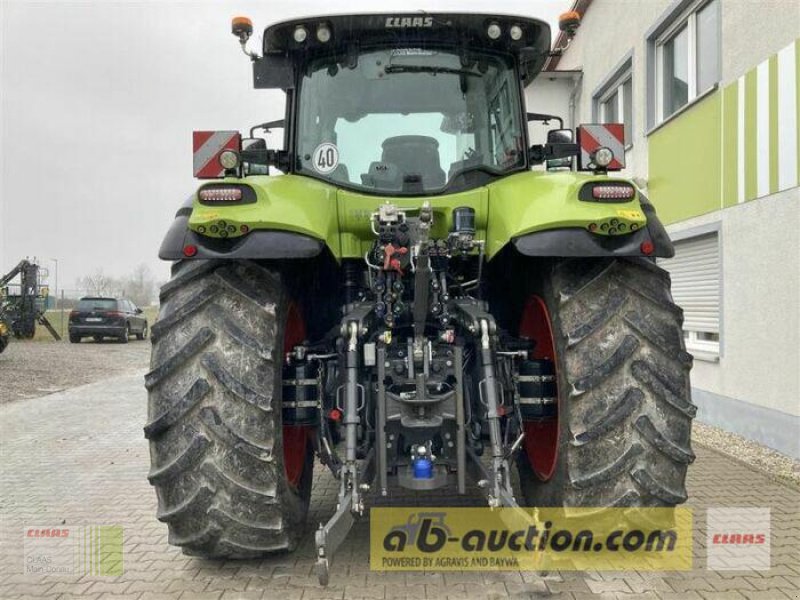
(766, 460)
(32, 369)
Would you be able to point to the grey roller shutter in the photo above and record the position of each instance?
(695, 272)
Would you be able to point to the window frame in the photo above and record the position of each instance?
(605, 102)
(615, 83)
(618, 88)
(708, 350)
(687, 18)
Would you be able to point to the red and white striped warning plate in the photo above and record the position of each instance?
(610, 135)
(207, 147)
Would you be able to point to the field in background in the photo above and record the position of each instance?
(54, 316)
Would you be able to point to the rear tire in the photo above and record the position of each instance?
(624, 407)
(126, 334)
(74, 339)
(215, 427)
(143, 334)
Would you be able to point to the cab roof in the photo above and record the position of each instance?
(415, 29)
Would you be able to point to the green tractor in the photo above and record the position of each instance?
(421, 299)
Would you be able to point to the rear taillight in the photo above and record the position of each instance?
(73, 315)
(613, 192)
(114, 313)
(220, 194)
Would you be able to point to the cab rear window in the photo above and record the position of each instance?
(88, 305)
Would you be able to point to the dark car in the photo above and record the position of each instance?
(106, 317)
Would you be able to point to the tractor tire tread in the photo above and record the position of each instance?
(214, 430)
(625, 373)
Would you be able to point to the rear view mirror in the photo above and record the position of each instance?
(557, 138)
(253, 144)
(255, 157)
(560, 136)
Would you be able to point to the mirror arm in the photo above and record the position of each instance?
(561, 150)
(257, 157)
(540, 153)
(270, 158)
(280, 160)
(266, 126)
(545, 118)
(536, 154)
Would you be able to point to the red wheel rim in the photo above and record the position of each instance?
(541, 437)
(295, 437)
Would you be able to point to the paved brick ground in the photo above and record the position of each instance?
(79, 458)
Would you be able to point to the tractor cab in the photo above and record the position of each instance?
(404, 105)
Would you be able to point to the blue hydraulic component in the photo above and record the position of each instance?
(423, 468)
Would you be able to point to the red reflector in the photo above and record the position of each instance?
(231, 194)
(647, 248)
(189, 250)
(612, 192)
(335, 414)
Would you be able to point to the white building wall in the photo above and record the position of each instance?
(550, 94)
(753, 30)
(754, 387)
(609, 31)
(760, 318)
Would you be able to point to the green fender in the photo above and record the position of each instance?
(285, 216)
(282, 203)
(293, 216)
(537, 201)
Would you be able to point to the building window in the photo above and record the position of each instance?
(687, 58)
(695, 273)
(613, 100)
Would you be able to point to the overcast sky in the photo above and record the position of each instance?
(97, 104)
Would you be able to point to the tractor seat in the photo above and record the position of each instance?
(415, 155)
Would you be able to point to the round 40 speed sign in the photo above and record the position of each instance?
(325, 158)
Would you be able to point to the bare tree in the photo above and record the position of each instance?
(140, 286)
(98, 284)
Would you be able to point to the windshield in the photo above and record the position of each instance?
(409, 120)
